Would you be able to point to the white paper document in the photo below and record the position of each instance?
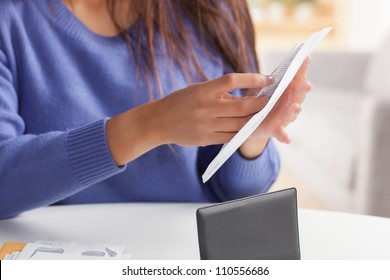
(284, 74)
(59, 250)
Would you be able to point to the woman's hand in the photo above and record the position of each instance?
(205, 113)
(285, 111)
(199, 115)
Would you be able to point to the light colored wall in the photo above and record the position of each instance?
(367, 23)
(359, 25)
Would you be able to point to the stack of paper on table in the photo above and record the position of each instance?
(58, 250)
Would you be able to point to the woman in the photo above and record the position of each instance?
(114, 101)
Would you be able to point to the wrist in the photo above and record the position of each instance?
(253, 147)
(133, 133)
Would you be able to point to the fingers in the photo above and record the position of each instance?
(228, 96)
(234, 81)
(240, 106)
(291, 114)
(230, 124)
(282, 136)
(300, 92)
(302, 73)
(297, 90)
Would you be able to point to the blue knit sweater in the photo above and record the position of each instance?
(59, 82)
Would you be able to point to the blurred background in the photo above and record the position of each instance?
(339, 158)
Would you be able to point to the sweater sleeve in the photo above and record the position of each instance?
(38, 170)
(239, 177)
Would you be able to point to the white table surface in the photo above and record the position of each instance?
(168, 230)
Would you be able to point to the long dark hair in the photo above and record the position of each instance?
(224, 24)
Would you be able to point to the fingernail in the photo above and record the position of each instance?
(309, 59)
(269, 79)
(298, 111)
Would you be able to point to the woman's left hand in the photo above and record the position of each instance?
(285, 111)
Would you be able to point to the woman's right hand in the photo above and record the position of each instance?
(199, 115)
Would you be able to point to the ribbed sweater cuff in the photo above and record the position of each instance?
(89, 154)
(250, 168)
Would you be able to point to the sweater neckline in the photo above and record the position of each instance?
(65, 20)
